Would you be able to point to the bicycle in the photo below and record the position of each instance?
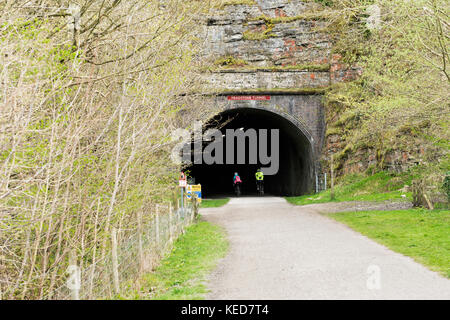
(237, 189)
(260, 187)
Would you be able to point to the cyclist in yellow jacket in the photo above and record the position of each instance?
(259, 175)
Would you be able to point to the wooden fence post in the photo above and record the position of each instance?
(115, 262)
(194, 215)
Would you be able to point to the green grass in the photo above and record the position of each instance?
(214, 203)
(181, 275)
(420, 234)
(381, 186)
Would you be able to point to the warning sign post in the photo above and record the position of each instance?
(182, 183)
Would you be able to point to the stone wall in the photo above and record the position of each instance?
(269, 48)
(287, 43)
(241, 80)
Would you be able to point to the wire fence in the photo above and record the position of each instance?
(132, 253)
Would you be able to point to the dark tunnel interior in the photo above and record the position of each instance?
(295, 173)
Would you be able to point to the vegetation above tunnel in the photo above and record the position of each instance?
(231, 63)
(268, 24)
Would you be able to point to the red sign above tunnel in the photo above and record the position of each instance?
(239, 98)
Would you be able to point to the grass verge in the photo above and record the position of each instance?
(381, 186)
(420, 234)
(214, 203)
(181, 275)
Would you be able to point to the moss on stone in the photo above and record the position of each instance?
(308, 16)
(332, 131)
(252, 35)
(259, 35)
(229, 61)
(271, 22)
(239, 2)
(223, 4)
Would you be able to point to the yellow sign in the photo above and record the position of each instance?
(194, 188)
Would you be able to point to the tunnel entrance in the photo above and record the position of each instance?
(296, 160)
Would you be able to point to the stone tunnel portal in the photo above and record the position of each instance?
(295, 174)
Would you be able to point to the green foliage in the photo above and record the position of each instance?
(428, 187)
(229, 61)
(446, 185)
(327, 3)
(398, 102)
(85, 146)
(182, 274)
(420, 234)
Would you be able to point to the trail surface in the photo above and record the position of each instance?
(281, 251)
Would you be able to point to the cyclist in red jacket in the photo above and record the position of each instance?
(237, 184)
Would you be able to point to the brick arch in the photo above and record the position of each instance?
(297, 158)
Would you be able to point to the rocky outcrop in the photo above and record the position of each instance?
(275, 34)
(286, 44)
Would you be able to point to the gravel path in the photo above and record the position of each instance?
(281, 251)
